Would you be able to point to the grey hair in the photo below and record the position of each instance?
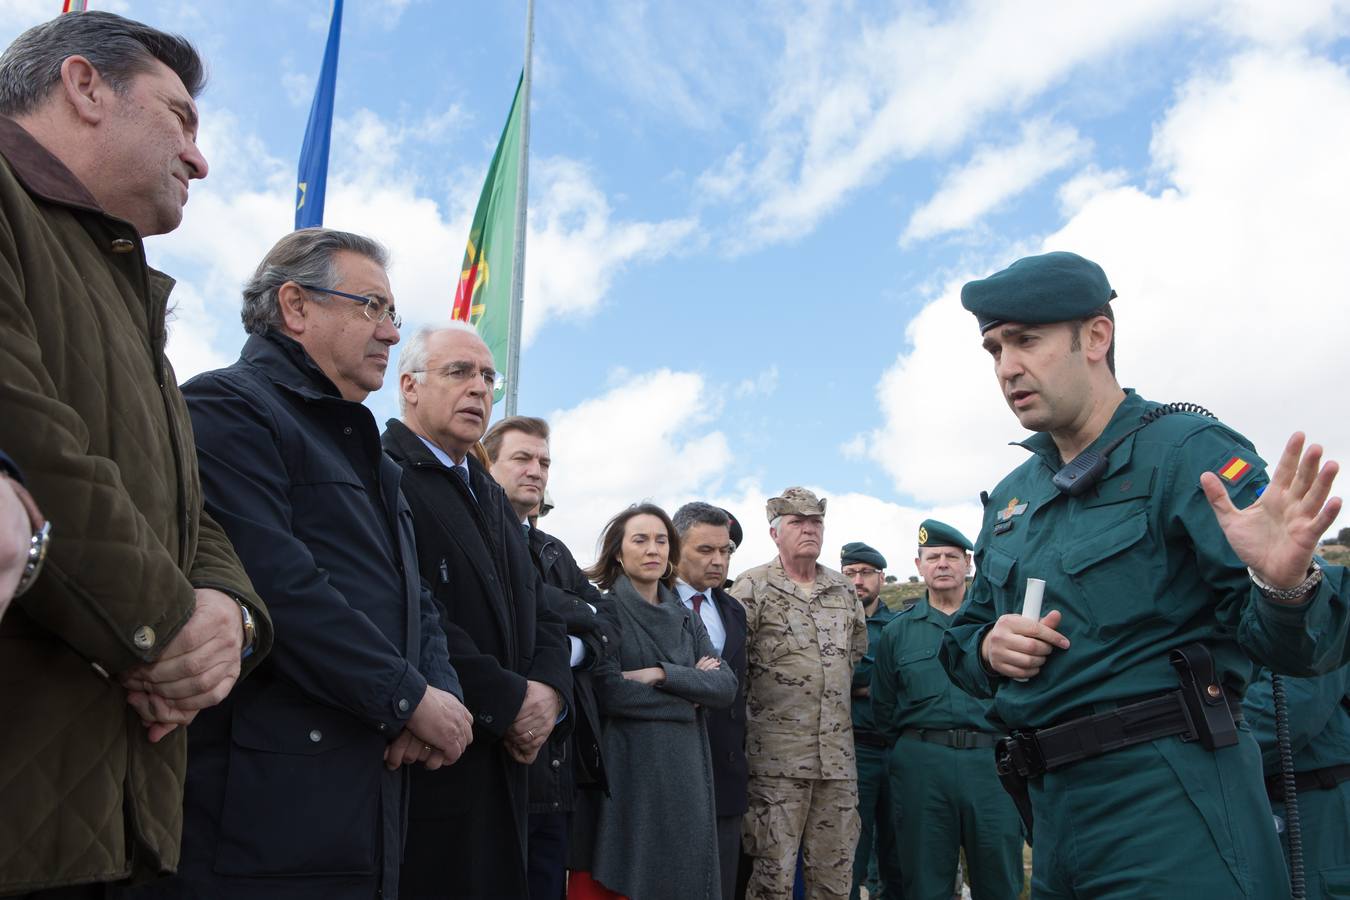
(412, 356)
(775, 522)
(118, 48)
(699, 513)
(305, 257)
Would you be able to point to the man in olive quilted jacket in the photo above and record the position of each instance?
(142, 613)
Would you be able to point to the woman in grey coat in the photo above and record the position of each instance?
(655, 836)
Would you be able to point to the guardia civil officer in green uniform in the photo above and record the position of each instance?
(1140, 782)
(1317, 711)
(874, 863)
(945, 792)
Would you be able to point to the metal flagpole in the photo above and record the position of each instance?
(522, 199)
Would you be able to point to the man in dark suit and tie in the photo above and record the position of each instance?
(518, 455)
(467, 834)
(705, 553)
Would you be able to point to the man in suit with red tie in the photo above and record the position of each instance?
(705, 553)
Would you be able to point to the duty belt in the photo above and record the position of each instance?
(1033, 752)
(1313, 780)
(1200, 710)
(957, 738)
(869, 739)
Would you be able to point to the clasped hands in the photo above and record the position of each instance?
(439, 731)
(534, 722)
(197, 669)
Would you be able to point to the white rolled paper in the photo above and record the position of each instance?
(1031, 603)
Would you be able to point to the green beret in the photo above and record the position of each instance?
(734, 527)
(858, 552)
(933, 533)
(1052, 287)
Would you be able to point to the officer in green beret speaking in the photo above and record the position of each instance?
(943, 786)
(874, 863)
(1169, 561)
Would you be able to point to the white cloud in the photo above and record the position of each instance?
(299, 88)
(650, 437)
(853, 97)
(1284, 23)
(762, 385)
(992, 176)
(646, 438)
(1086, 184)
(1227, 276)
(575, 249)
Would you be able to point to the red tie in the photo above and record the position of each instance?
(697, 600)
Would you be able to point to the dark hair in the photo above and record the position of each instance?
(305, 257)
(492, 441)
(608, 565)
(699, 513)
(118, 48)
(1078, 331)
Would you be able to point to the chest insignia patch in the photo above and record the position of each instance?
(1012, 509)
(1234, 469)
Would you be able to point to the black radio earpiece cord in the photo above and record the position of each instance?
(1293, 827)
(1087, 468)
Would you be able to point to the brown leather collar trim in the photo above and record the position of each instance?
(41, 172)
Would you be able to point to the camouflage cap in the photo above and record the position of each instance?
(795, 501)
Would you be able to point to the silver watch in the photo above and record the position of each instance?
(1285, 595)
(37, 554)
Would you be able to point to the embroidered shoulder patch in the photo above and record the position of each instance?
(1237, 467)
(1234, 469)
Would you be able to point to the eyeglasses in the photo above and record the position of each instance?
(376, 310)
(463, 371)
(860, 570)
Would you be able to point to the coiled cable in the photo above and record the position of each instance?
(1292, 826)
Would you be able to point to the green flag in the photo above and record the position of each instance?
(483, 297)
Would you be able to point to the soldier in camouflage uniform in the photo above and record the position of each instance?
(806, 631)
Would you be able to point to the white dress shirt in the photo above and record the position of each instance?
(707, 611)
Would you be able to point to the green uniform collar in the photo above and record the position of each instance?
(1123, 419)
(922, 609)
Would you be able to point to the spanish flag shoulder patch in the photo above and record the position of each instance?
(1234, 469)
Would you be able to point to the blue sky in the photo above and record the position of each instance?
(750, 221)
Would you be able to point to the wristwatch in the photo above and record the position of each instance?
(37, 544)
(1288, 595)
(250, 629)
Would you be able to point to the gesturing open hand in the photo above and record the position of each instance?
(1278, 533)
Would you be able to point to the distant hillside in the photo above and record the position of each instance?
(901, 594)
(1336, 554)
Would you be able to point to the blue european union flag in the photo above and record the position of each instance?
(309, 189)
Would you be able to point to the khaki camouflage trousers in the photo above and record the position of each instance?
(820, 816)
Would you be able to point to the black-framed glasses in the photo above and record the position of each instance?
(860, 570)
(376, 310)
(464, 370)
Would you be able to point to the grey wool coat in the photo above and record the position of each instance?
(655, 836)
